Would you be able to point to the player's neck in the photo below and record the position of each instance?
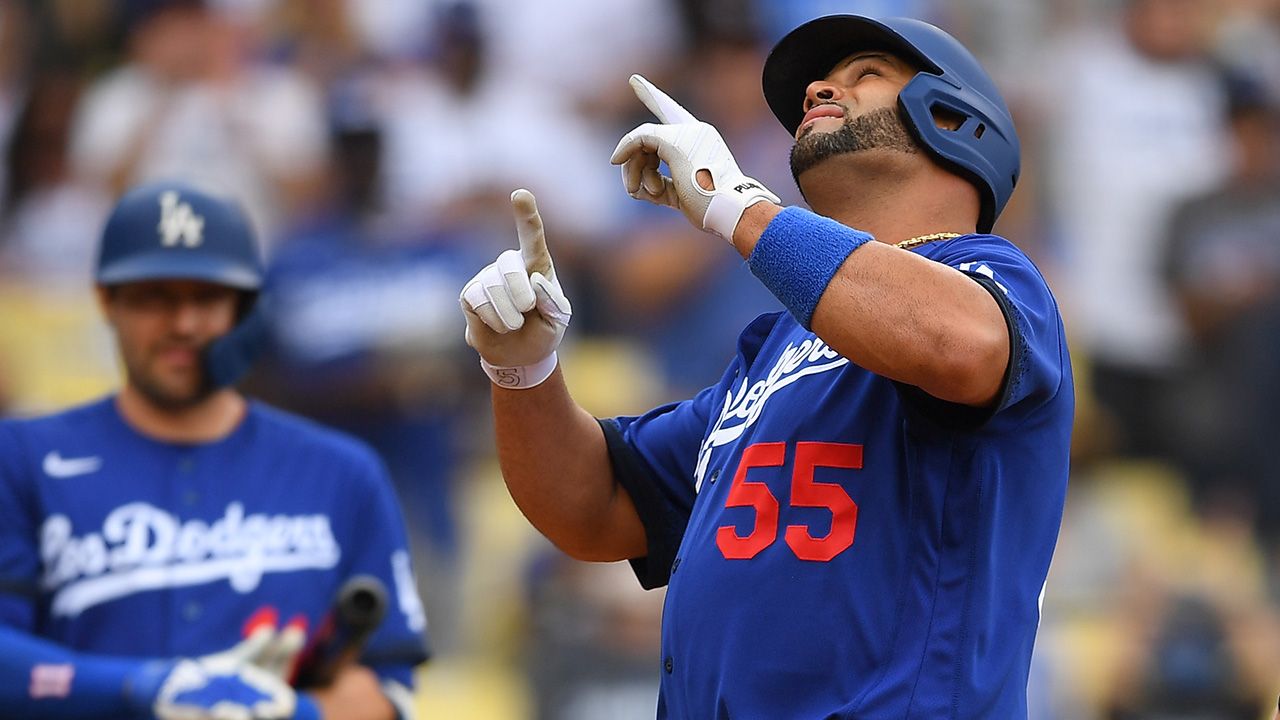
(893, 203)
(211, 419)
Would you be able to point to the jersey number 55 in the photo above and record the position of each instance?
(805, 492)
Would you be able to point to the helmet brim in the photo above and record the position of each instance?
(179, 266)
(809, 53)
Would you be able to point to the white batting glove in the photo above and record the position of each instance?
(272, 648)
(687, 145)
(227, 685)
(515, 308)
(280, 656)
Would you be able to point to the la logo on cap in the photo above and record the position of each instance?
(178, 222)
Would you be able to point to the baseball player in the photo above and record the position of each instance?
(171, 550)
(857, 519)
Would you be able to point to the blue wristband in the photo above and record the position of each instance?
(798, 254)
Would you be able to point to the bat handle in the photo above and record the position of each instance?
(358, 609)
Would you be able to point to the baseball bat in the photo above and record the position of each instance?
(357, 611)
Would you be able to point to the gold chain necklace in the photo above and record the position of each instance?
(921, 240)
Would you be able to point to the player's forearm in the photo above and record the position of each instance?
(905, 317)
(556, 466)
(39, 678)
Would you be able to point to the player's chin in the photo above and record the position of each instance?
(174, 390)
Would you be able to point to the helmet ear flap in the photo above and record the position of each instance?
(230, 356)
(958, 132)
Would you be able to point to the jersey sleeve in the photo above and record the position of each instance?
(380, 548)
(1037, 348)
(19, 555)
(653, 457)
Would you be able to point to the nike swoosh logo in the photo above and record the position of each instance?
(57, 466)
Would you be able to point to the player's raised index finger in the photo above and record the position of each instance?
(659, 103)
(533, 240)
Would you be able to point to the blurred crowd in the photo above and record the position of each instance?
(375, 144)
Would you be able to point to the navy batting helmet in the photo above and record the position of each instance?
(172, 231)
(984, 149)
(169, 230)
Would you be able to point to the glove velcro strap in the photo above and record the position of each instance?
(523, 377)
(726, 207)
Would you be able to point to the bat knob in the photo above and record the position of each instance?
(362, 601)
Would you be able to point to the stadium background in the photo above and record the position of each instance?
(375, 143)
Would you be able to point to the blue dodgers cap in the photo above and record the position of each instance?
(171, 230)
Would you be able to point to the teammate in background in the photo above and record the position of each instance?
(857, 519)
(147, 532)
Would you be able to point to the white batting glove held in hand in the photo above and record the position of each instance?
(280, 656)
(227, 686)
(516, 311)
(688, 146)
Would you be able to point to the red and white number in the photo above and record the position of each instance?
(806, 491)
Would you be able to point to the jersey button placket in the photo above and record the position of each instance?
(186, 466)
(668, 665)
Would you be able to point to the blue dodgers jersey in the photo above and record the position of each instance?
(838, 545)
(118, 544)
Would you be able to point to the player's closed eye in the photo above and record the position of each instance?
(861, 67)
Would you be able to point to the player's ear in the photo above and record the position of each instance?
(104, 293)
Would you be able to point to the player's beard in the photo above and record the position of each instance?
(166, 396)
(878, 129)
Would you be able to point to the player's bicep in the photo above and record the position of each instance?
(1031, 370)
(994, 332)
(630, 535)
(637, 502)
(654, 526)
(652, 458)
